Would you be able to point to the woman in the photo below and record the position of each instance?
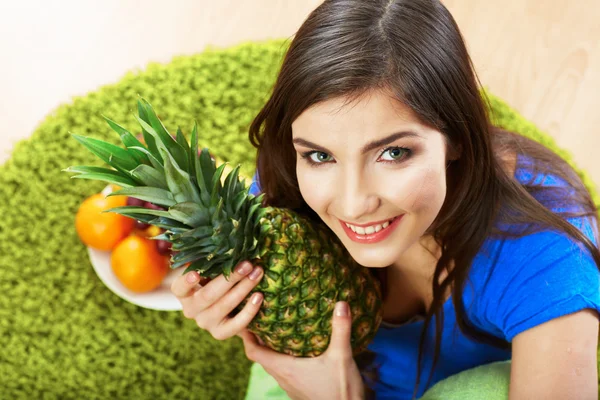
(376, 124)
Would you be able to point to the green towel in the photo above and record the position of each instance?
(263, 386)
(489, 382)
(63, 334)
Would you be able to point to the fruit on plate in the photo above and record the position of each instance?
(151, 231)
(215, 224)
(163, 246)
(100, 230)
(138, 265)
(132, 201)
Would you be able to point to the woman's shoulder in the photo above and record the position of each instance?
(515, 282)
(533, 248)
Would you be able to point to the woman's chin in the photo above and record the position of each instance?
(374, 261)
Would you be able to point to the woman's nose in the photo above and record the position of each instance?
(355, 199)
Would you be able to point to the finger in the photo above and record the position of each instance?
(183, 285)
(229, 327)
(263, 355)
(339, 345)
(244, 332)
(209, 293)
(234, 297)
(214, 309)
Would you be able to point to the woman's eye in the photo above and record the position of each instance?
(395, 153)
(319, 157)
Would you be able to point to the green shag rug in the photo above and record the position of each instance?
(63, 334)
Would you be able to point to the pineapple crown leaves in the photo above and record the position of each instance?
(212, 225)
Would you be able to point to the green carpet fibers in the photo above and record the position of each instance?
(63, 333)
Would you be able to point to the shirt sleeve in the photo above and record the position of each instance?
(255, 185)
(535, 279)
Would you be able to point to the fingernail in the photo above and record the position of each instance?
(244, 268)
(255, 274)
(192, 277)
(341, 309)
(256, 297)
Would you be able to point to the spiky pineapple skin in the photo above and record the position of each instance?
(306, 271)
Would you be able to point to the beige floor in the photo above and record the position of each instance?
(542, 56)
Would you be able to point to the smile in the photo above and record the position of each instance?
(372, 233)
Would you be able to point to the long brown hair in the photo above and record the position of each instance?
(414, 50)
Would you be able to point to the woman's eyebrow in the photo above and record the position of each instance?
(366, 148)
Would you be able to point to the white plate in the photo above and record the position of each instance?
(160, 298)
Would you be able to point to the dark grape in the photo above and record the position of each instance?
(132, 201)
(163, 247)
(141, 225)
(153, 206)
(204, 281)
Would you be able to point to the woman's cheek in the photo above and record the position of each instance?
(402, 188)
(312, 188)
(428, 190)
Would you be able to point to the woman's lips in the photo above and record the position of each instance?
(372, 237)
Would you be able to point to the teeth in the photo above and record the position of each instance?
(368, 230)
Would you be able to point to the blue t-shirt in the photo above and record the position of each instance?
(513, 285)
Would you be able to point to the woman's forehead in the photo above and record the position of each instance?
(372, 115)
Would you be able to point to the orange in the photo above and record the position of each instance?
(102, 231)
(138, 265)
(151, 231)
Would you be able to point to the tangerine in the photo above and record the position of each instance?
(138, 265)
(102, 231)
(151, 231)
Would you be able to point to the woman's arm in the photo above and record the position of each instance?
(557, 359)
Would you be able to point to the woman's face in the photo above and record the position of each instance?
(357, 165)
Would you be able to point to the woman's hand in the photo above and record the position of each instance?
(210, 305)
(333, 375)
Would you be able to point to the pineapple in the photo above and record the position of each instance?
(214, 224)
